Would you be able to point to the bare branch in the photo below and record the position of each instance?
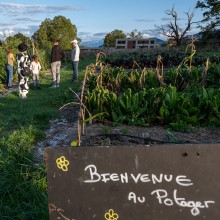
(173, 30)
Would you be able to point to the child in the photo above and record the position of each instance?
(35, 68)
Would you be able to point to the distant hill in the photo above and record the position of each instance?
(197, 36)
(93, 43)
(159, 41)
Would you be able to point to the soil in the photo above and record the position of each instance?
(133, 135)
(63, 131)
(4, 91)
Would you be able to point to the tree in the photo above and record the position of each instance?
(173, 30)
(110, 38)
(59, 28)
(211, 14)
(23, 38)
(17, 39)
(135, 34)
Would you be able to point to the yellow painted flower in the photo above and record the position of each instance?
(62, 163)
(111, 215)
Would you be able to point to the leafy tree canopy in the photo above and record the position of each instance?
(110, 38)
(14, 41)
(22, 38)
(59, 28)
(211, 14)
(135, 34)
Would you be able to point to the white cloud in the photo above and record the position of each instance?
(29, 9)
(8, 32)
(146, 35)
(87, 36)
(145, 20)
(26, 18)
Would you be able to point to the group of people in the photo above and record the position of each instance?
(26, 67)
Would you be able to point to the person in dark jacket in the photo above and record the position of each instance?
(57, 55)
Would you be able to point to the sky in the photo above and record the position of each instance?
(95, 18)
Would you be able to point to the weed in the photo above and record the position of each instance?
(124, 131)
(106, 130)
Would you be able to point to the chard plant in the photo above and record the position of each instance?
(144, 96)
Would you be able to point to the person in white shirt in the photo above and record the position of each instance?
(35, 69)
(75, 59)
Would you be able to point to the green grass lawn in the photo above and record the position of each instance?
(23, 187)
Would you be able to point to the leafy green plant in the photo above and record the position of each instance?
(131, 107)
(106, 130)
(124, 130)
(139, 96)
(100, 100)
(207, 102)
(180, 126)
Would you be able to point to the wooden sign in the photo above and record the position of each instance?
(166, 182)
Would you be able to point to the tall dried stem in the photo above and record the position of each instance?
(142, 77)
(191, 46)
(205, 73)
(159, 68)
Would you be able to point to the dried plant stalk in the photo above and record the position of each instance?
(205, 73)
(158, 69)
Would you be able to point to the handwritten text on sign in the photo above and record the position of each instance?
(160, 194)
(166, 182)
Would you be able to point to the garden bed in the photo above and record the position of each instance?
(63, 131)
